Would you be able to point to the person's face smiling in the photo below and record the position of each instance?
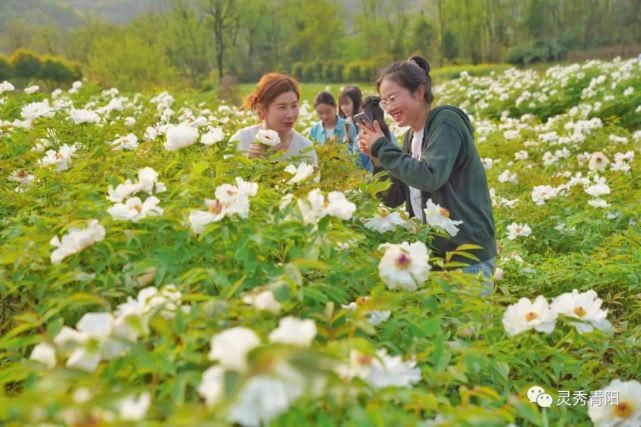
(402, 105)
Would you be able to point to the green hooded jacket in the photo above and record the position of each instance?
(450, 173)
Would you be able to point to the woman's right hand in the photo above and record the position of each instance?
(255, 151)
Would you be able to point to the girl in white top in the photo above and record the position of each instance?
(275, 100)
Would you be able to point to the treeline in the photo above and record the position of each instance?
(23, 65)
(197, 42)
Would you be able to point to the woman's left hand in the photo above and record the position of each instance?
(367, 137)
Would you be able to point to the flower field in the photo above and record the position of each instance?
(150, 274)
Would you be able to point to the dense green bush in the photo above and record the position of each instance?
(26, 64)
(539, 51)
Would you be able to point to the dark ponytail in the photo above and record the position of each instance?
(410, 74)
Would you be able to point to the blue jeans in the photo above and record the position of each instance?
(487, 268)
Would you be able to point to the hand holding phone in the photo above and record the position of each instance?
(363, 120)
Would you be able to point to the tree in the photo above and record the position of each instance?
(186, 40)
(125, 60)
(449, 48)
(222, 19)
(423, 37)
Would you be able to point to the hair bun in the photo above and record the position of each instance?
(372, 100)
(421, 62)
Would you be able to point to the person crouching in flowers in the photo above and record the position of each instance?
(275, 100)
(331, 127)
(438, 164)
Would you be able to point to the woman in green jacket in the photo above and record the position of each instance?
(438, 160)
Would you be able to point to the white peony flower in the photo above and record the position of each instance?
(586, 307)
(130, 122)
(386, 221)
(294, 331)
(268, 137)
(263, 301)
(391, 371)
(83, 116)
(487, 163)
(598, 161)
(122, 191)
(164, 300)
(521, 155)
(526, 315)
(131, 320)
(339, 206)
(212, 386)
(518, 230)
(381, 370)
(267, 396)
(376, 317)
(31, 89)
(76, 240)
(300, 172)
(404, 265)
(45, 354)
(134, 209)
(598, 190)
(624, 412)
(148, 181)
(5, 86)
(92, 342)
(134, 409)
(151, 133)
(180, 136)
(36, 110)
(508, 176)
(541, 193)
(231, 346)
(199, 219)
(235, 198)
(128, 142)
(212, 136)
(60, 158)
(21, 177)
(314, 207)
(436, 216)
(598, 203)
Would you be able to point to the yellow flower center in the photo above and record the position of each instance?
(364, 359)
(444, 212)
(580, 311)
(216, 207)
(531, 316)
(623, 410)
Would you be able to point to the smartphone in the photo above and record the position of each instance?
(364, 120)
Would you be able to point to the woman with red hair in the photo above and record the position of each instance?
(275, 101)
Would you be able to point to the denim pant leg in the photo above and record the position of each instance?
(487, 268)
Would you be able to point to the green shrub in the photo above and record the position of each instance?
(25, 64)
